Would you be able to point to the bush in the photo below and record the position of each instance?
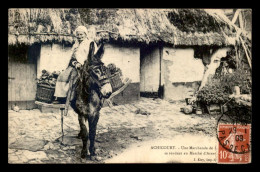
(218, 89)
(241, 78)
(213, 93)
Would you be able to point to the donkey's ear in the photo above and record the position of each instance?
(91, 50)
(100, 52)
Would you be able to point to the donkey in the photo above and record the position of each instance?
(92, 88)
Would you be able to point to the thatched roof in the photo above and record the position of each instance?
(171, 26)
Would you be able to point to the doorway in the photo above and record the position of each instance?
(22, 75)
(150, 72)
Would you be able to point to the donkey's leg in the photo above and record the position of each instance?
(84, 136)
(80, 134)
(92, 121)
(81, 123)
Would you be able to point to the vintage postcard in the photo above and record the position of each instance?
(102, 86)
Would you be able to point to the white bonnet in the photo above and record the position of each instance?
(81, 29)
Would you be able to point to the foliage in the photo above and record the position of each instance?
(241, 78)
(213, 93)
(217, 90)
(48, 78)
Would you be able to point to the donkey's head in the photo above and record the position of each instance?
(97, 71)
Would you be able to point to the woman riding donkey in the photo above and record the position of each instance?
(89, 85)
(80, 52)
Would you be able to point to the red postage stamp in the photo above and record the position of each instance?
(234, 143)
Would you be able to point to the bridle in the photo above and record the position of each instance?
(97, 73)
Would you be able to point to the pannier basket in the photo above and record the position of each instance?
(45, 93)
(115, 81)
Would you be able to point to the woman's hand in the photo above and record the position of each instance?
(78, 66)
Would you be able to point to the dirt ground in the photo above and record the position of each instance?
(122, 132)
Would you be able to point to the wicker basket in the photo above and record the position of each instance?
(115, 81)
(45, 93)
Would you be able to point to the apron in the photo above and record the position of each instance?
(62, 84)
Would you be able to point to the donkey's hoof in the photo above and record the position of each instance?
(92, 158)
(92, 151)
(93, 154)
(95, 158)
(83, 154)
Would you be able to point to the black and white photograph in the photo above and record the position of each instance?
(129, 85)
